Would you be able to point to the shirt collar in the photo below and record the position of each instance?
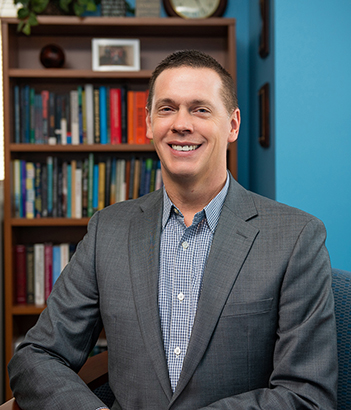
(212, 210)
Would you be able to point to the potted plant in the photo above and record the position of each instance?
(29, 10)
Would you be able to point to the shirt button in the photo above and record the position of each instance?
(181, 297)
(177, 351)
(176, 211)
(185, 245)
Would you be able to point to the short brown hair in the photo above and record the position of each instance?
(196, 59)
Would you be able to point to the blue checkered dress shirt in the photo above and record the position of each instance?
(183, 255)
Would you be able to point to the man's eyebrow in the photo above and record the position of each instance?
(191, 103)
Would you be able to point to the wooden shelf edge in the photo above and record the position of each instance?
(18, 310)
(76, 73)
(82, 148)
(40, 222)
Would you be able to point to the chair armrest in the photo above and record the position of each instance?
(10, 405)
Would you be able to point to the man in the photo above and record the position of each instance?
(210, 296)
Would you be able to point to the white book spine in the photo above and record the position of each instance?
(39, 293)
(74, 117)
(89, 114)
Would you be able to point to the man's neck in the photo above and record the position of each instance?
(191, 198)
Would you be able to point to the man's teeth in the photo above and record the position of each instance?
(184, 147)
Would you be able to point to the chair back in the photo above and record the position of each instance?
(341, 285)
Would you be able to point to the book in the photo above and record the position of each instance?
(20, 274)
(56, 263)
(90, 184)
(38, 190)
(89, 112)
(47, 269)
(78, 190)
(17, 203)
(73, 187)
(30, 273)
(80, 114)
(39, 281)
(17, 114)
(121, 180)
(101, 185)
(52, 140)
(85, 187)
(64, 255)
(45, 116)
(23, 188)
(49, 189)
(116, 115)
(74, 117)
(130, 117)
(96, 187)
(30, 191)
(103, 115)
(69, 191)
(140, 117)
(96, 116)
(32, 115)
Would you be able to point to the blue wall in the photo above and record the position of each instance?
(313, 114)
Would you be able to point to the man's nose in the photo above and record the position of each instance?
(182, 123)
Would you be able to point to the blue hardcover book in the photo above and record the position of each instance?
(49, 164)
(56, 263)
(103, 115)
(23, 189)
(17, 112)
(95, 187)
(69, 191)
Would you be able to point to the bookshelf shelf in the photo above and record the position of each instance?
(21, 68)
(82, 148)
(76, 73)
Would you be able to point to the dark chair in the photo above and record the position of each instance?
(342, 295)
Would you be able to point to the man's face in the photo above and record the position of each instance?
(190, 125)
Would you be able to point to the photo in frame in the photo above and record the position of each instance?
(115, 55)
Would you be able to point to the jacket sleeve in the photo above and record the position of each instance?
(43, 371)
(305, 356)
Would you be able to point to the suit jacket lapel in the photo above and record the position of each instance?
(231, 244)
(144, 261)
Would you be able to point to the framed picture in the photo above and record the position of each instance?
(263, 96)
(115, 55)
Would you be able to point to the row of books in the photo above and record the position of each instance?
(87, 114)
(37, 267)
(78, 188)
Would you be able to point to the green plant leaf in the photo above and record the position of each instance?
(20, 26)
(22, 13)
(26, 29)
(32, 20)
(78, 9)
(91, 6)
(38, 6)
(64, 5)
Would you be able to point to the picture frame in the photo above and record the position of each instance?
(115, 54)
(264, 109)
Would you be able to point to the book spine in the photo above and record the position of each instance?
(73, 187)
(116, 115)
(38, 190)
(49, 190)
(80, 114)
(21, 274)
(130, 117)
(74, 117)
(32, 116)
(52, 140)
(69, 191)
(89, 112)
(45, 116)
(39, 279)
(17, 114)
(78, 190)
(47, 269)
(30, 274)
(103, 115)
(30, 192)
(16, 164)
(101, 184)
(56, 263)
(96, 116)
(96, 187)
(139, 111)
(90, 184)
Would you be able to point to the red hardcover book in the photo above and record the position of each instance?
(45, 114)
(47, 269)
(140, 115)
(21, 274)
(115, 115)
(130, 117)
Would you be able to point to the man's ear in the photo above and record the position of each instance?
(234, 125)
(149, 133)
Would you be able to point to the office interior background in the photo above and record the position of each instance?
(307, 164)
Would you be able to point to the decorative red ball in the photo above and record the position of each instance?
(52, 56)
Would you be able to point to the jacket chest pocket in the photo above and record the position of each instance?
(256, 307)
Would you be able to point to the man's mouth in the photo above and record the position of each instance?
(185, 147)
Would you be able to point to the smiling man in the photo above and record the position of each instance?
(211, 296)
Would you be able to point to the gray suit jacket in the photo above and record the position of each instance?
(264, 334)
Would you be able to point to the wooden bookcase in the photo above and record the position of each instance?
(21, 65)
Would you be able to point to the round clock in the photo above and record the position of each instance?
(195, 8)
